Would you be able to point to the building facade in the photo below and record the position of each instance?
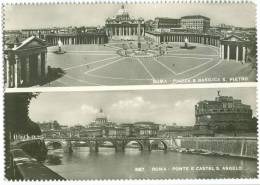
(166, 23)
(223, 113)
(40, 33)
(234, 48)
(25, 62)
(145, 129)
(123, 27)
(176, 131)
(195, 22)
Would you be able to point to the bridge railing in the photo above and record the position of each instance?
(106, 138)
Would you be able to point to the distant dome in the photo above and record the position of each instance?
(101, 115)
(122, 11)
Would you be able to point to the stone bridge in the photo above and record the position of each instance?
(119, 143)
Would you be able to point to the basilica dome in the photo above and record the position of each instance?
(101, 117)
(122, 13)
(101, 114)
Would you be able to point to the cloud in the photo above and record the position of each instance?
(136, 102)
(164, 106)
(186, 102)
(88, 109)
(135, 109)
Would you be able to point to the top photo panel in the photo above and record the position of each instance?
(72, 45)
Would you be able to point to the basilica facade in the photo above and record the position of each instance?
(124, 27)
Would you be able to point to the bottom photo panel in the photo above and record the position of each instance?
(139, 134)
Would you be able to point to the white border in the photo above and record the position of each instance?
(130, 87)
(136, 182)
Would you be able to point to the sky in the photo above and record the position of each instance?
(42, 16)
(159, 106)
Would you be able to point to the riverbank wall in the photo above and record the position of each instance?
(231, 146)
(25, 161)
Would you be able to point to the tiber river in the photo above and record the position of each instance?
(134, 164)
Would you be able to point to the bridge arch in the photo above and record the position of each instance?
(141, 145)
(165, 144)
(106, 141)
(54, 144)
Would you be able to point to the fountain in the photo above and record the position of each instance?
(59, 48)
(186, 44)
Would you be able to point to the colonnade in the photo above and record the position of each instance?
(25, 70)
(228, 50)
(76, 39)
(193, 38)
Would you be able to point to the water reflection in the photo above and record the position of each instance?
(54, 157)
(107, 163)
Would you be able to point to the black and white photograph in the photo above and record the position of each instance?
(129, 44)
(130, 92)
(144, 134)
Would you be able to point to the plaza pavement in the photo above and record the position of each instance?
(87, 65)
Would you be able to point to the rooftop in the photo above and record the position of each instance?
(195, 17)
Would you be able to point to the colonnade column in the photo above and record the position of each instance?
(244, 54)
(228, 52)
(16, 80)
(222, 53)
(43, 64)
(237, 53)
(7, 70)
(19, 72)
(39, 62)
(27, 69)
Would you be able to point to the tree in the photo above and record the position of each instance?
(17, 121)
(33, 129)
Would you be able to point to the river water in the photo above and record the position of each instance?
(134, 164)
